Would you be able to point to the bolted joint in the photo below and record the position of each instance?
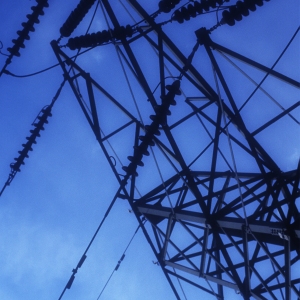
(202, 35)
(174, 88)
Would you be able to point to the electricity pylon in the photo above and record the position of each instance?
(220, 212)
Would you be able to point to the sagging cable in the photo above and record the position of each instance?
(119, 262)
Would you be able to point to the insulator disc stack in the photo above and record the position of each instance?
(167, 5)
(239, 10)
(159, 119)
(76, 17)
(28, 26)
(35, 132)
(195, 8)
(100, 37)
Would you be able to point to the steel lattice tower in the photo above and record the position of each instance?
(219, 213)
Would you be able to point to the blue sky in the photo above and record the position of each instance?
(53, 206)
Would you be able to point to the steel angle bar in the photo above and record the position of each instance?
(108, 136)
(236, 118)
(204, 87)
(214, 157)
(223, 129)
(177, 257)
(186, 75)
(188, 270)
(247, 280)
(265, 229)
(188, 116)
(131, 56)
(225, 174)
(287, 268)
(190, 282)
(93, 108)
(62, 58)
(59, 54)
(222, 282)
(264, 284)
(275, 119)
(170, 227)
(161, 64)
(233, 272)
(253, 260)
(168, 239)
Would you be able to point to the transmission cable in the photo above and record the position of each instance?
(7, 72)
(13, 171)
(83, 257)
(119, 262)
(154, 156)
(211, 142)
(55, 65)
(257, 85)
(122, 65)
(268, 73)
(1, 47)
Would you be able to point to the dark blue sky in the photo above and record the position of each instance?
(52, 208)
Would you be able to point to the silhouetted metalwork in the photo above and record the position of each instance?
(100, 37)
(210, 225)
(23, 34)
(192, 10)
(28, 26)
(242, 8)
(76, 17)
(167, 5)
(38, 124)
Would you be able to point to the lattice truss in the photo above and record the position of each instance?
(191, 140)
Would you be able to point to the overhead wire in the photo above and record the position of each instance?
(138, 110)
(84, 102)
(141, 121)
(1, 47)
(123, 69)
(56, 65)
(152, 151)
(68, 285)
(139, 113)
(7, 72)
(257, 85)
(212, 140)
(119, 262)
(171, 76)
(83, 257)
(273, 66)
(13, 172)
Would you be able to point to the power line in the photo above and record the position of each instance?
(268, 73)
(46, 69)
(119, 262)
(83, 257)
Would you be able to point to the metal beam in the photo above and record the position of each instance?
(266, 229)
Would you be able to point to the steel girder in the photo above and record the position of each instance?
(213, 228)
